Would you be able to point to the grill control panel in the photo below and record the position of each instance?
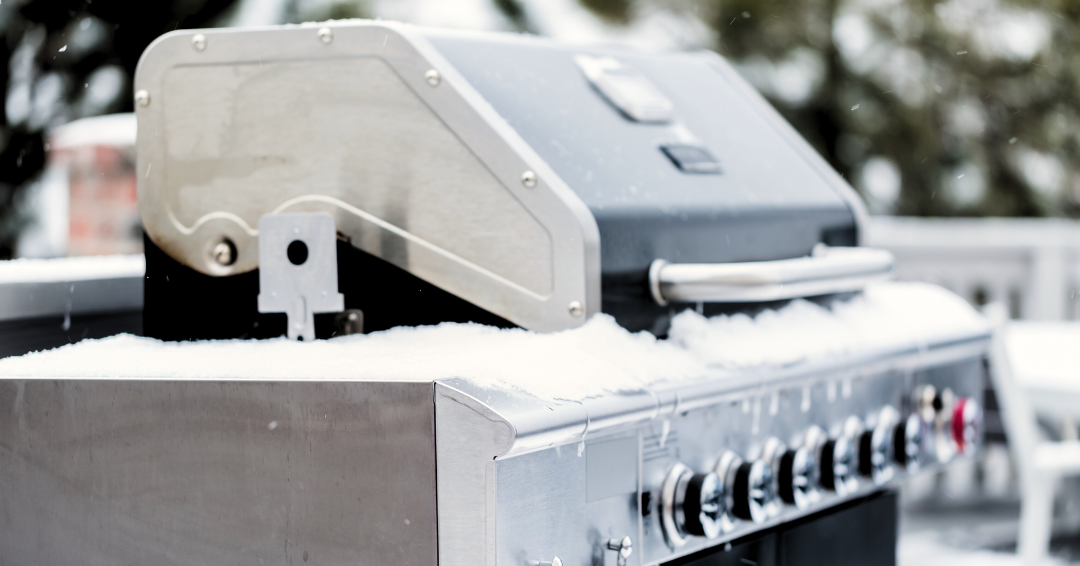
(720, 472)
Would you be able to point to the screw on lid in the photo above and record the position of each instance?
(433, 77)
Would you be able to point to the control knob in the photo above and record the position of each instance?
(927, 401)
(691, 505)
(937, 408)
(749, 487)
(796, 473)
(908, 438)
(876, 448)
(838, 461)
(966, 425)
(797, 477)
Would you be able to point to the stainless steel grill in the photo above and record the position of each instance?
(500, 179)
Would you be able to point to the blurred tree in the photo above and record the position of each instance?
(959, 107)
(298, 11)
(951, 107)
(515, 13)
(67, 59)
(617, 11)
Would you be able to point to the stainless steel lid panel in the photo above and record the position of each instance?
(421, 173)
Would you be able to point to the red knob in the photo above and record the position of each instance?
(966, 424)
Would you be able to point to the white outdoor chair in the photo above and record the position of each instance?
(1040, 463)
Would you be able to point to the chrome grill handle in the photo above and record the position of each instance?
(826, 271)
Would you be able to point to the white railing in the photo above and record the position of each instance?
(1032, 265)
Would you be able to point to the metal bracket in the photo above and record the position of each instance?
(298, 269)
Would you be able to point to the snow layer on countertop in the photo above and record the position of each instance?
(71, 268)
(574, 364)
(882, 317)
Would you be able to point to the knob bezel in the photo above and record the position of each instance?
(672, 535)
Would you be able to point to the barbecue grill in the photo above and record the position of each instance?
(320, 180)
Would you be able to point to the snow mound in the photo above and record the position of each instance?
(883, 317)
(574, 364)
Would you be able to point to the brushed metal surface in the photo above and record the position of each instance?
(139, 472)
(541, 424)
(469, 436)
(545, 506)
(542, 508)
(426, 177)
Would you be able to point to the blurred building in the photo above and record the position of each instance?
(86, 201)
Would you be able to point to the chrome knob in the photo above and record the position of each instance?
(876, 448)
(773, 453)
(908, 438)
(753, 494)
(691, 505)
(749, 487)
(945, 445)
(927, 402)
(797, 477)
(838, 465)
(623, 546)
(966, 424)
(700, 498)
